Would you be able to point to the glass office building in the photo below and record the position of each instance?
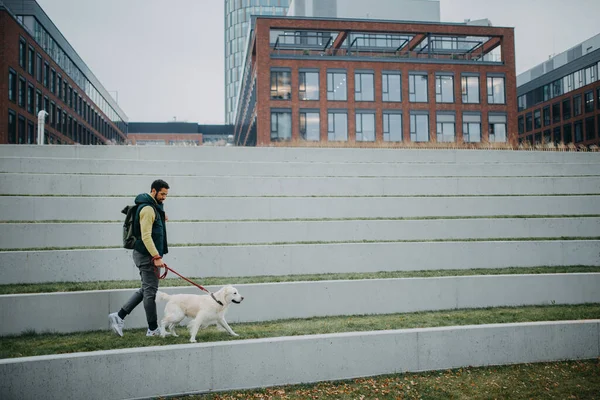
(237, 20)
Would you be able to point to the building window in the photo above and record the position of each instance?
(31, 61)
(471, 128)
(578, 128)
(46, 105)
(444, 89)
(528, 122)
(547, 136)
(22, 53)
(391, 86)
(12, 127)
(590, 129)
(521, 125)
(590, 74)
(281, 85)
(497, 128)
(364, 87)
(589, 101)
(567, 134)
(557, 135)
(310, 128)
(598, 98)
(70, 97)
(537, 119)
(30, 98)
(446, 128)
(46, 74)
(577, 109)
(309, 85)
(53, 81)
(38, 102)
(555, 113)
(495, 89)
(337, 126)
(30, 133)
(59, 87)
(38, 68)
(417, 88)
(22, 89)
(12, 85)
(546, 115)
(22, 138)
(470, 89)
(52, 113)
(336, 86)
(578, 79)
(566, 108)
(392, 127)
(281, 126)
(58, 119)
(365, 126)
(521, 103)
(419, 127)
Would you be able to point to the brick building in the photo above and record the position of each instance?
(559, 100)
(43, 72)
(177, 133)
(368, 82)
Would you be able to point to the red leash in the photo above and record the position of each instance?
(167, 269)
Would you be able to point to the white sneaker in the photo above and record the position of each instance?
(155, 332)
(116, 323)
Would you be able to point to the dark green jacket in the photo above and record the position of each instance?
(159, 228)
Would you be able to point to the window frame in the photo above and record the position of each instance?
(466, 133)
(303, 132)
(412, 87)
(359, 114)
(331, 120)
(439, 85)
(302, 81)
(359, 88)
(465, 89)
(279, 138)
(414, 135)
(387, 132)
(442, 123)
(490, 88)
(385, 86)
(331, 93)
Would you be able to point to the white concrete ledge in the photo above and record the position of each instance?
(32, 208)
(103, 185)
(244, 364)
(289, 154)
(56, 235)
(87, 311)
(256, 260)
(283, 168)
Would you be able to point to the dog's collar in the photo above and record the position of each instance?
(215, 299)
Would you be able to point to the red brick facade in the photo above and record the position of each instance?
(166, 138)
(83, 130)
(263, 62)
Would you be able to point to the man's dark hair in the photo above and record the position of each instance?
(158, 185)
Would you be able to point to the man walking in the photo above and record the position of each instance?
(151, 244)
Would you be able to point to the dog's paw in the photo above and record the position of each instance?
(193, 341)
(174, 334)
(234, 334)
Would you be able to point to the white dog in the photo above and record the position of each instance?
(205, 310)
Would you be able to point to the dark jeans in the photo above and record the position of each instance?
(146, 293)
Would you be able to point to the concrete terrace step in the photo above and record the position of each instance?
(229, 168)
(102, 185)
(294, 259)
(56, 235)
(87, 311)
(266, 362)
(276, 154)
(58, 208)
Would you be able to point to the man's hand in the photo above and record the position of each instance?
(166, 217)
(158, 262)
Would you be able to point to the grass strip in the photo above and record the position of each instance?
(52, 287)
(308, 242)
(538, 216)
(34, 344)
(554, 380)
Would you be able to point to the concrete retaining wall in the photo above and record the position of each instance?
(256, 260)
(229, 168)
(279, 154)
(87, 311)
(110, 185)
(30, 208)
(124, 374)
(58, 235)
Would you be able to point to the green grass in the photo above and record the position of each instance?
(218, 281)
(328, 242)
(555, 380)
(33, 344)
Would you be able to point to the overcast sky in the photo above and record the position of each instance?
(165, 58)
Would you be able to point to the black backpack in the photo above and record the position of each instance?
(128, 236)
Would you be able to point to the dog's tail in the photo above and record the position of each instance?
(162, 296)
